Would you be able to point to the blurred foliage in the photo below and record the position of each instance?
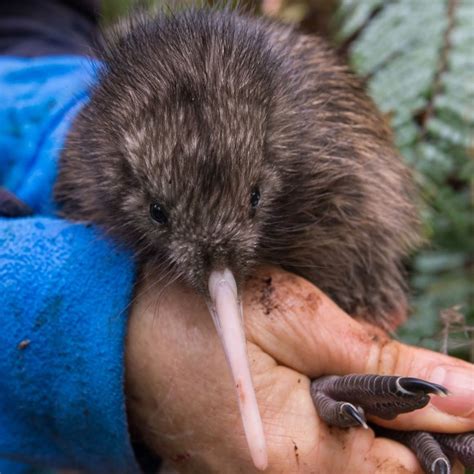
(417, 59)
(112, 9)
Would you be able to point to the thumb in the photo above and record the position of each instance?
(303, 329)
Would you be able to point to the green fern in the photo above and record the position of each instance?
(417, 57)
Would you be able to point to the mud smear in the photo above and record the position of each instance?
(24, 344)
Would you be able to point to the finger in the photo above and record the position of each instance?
(391, 457)
(357, 450)
(303, 329)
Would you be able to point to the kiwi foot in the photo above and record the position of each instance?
(344, 401)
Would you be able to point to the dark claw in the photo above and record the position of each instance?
(354, 413)
(414, 386)
(441, 466)
(335, 413)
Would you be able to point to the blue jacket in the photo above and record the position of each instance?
(64, 291)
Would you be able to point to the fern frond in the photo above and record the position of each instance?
(417, 58)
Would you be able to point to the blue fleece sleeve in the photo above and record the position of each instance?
(64, 291)
(39, 99)
(63, 300)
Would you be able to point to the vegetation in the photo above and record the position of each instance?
(416, 57)
(418, 62)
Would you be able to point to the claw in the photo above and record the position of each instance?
(411, 386)
(355, 413)
(440, 466)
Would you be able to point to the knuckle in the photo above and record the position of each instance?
(388, 361)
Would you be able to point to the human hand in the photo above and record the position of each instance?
(182, 400)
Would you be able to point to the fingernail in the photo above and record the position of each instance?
(460, 383)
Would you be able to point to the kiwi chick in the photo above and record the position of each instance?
(196, 112)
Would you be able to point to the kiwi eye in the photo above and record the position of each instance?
(254, 197)
(158, 214)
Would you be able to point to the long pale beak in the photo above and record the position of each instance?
(226, 312)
